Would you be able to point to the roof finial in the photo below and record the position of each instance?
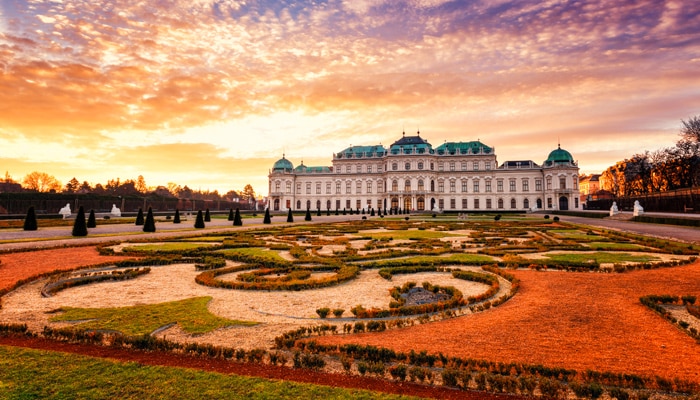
(558, 142)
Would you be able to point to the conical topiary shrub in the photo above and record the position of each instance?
(199, 223)
(230, 214)
(267, 219)
(308, 215)
(371, 213)
(344, 211)
(92, 222)
(207, 216)
(237, 221)
(318, 212)
(328, 212)
(176, 219)
(150, 224)
(139, 217)
(336, 211)
(290, 217)
(79, 226)
(30, 221)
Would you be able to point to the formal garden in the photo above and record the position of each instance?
(519, 305)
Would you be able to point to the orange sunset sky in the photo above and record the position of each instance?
(209, 93)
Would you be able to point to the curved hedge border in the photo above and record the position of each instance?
(208, 278)
(99, 276)
(654, 302)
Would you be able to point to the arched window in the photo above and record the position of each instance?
(500, 203)
(526, 203)
(407, 185)
(420, 184)
(328, 204)
(318, 204)
(395, 186)
(308, 204)
(298, 204)
(512, 203)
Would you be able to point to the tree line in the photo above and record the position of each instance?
(671, 168)
(45, 183)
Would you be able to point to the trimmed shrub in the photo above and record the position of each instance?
(308, 215)
(290, 217)
(267, 219)
(338, 312)
(555, 219)
(230, 214)
(176, 219)
(139, 218)
(150, 224)
(237, 221)
(91, 222)
(323, 312)
(79, 226)
(207, 216)
(199, 222)
(30, 223)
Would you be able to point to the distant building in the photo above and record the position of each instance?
(411, 174)
(588, 186)
(10, 187)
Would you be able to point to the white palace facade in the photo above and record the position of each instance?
(412, 175)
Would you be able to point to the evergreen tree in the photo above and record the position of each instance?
(176, 219)
(363, 211)
(30, 223)
(318, 212)
(237, 221)
(91, 222)
(290, 217)
(336, 212)
(207, 216)
(371, 213)
(343, 210)
(150, 224)
(328, 212)
(230, 214)
(199, 223)
(79, 226)
(267, 219)
(139, 217)
(308, 215)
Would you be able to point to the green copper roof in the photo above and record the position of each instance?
(282, 165)
(455, 148)
(362, 152)
(311, 170)
(559, 156)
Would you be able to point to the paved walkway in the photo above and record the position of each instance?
(13, 239)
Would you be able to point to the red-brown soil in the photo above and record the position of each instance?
(573, 320)
(22, 265)
(259, 370)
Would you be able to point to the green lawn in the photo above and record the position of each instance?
(34, 374)
(407, 234)
(614, 246)
(191, 314)
(256, 252)
(601, 257)
(575, 234)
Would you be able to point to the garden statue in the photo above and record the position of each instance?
(65, 211)
(116, 212)
(613, 209)
(638, 209)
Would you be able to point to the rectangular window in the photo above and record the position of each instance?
(347, 204)
(453, 187)
(298, 188)
(318, 188)
(562, 183)
(328, 188)
(337, 189)
(441, 204)
(308, 188)
(488, 186)
(549, 183)
(369, 203)
(511, 182)
(441, 186)
(348, 188)
(464, 186)
(359, 168)
(499, 185)
(379, 168)
(452, 166)
(526, 185)
(538, 185)
(453, 203)
(549, 202)
(488, 203)
(369, 169)
(440, 166)
(464, 165)
(488, 165)
(465, 204)
(358, 186)
(337, 204)
(475, 165)
(380, 186)
(476, 186)
(289, 188)
(476, 204)
(369, 187)
(358, 203)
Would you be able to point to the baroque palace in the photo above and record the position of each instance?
(412, 175)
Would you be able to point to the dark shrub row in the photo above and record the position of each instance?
(655, 303)
(115, 275)
(208, 278)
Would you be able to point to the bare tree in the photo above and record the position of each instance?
(41, 182)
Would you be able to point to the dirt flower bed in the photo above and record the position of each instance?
(565, 319)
